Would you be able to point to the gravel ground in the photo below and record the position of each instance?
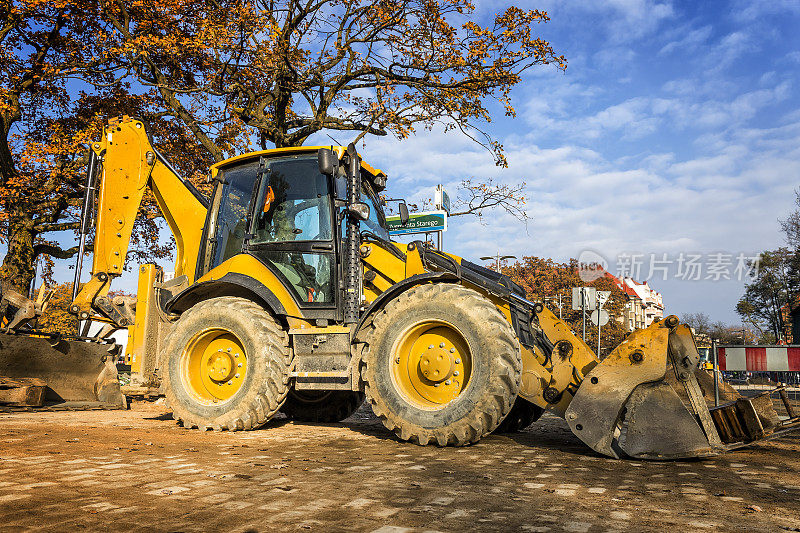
(137, 470)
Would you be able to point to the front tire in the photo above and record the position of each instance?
(440, 365)
(227, 365)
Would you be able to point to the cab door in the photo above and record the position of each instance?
(291, 232)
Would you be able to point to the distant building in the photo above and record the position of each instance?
(643, 304)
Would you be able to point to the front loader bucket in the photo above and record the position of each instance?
(648, 400)
(74, 370)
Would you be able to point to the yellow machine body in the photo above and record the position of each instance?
(320, 350)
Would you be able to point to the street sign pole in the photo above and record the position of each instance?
(601, 297)
(442, 203)
(583, 299)
(599, 321)
(583, 311)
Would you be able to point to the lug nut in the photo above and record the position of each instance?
(455, 373)
(239, 365)
(441, 345)
(230, 382)
(237, 375)
(452, 350)
(458, 361)
(236, 355)
(447, 382)
(430, 347)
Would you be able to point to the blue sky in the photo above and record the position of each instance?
(674, 130)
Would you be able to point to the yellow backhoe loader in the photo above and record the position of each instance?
(288, 294)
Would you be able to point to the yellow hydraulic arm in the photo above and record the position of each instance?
(129, 164)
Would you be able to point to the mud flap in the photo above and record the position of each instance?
(74, 370)
(624, 406)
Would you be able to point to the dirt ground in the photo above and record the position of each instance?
(136, 470)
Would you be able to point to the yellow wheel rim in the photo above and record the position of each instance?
(214, 366)
(431, 364)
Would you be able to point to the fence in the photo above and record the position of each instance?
(752, 369)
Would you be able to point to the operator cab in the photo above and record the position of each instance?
(277, 206)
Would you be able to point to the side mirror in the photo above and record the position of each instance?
(403, 213)
(360, 210)
(326, 160)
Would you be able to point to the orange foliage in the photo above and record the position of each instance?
(56, 317)
(212, 77)
(544, 280)
(290, 69)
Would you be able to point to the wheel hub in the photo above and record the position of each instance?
(214, 365)
(431, 364)
(220, 366)
(436, 364)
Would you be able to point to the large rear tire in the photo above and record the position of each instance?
(440, 365)
(522, 415)
(321, 406)
(227, 365)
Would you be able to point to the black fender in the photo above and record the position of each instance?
(399, 287)
(231, 284)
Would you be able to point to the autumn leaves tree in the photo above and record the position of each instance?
(214, 78)
(546, 280)
(40, 51)
(58, 83)
(292, 68)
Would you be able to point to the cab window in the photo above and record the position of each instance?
(376, 223)
(237, 190)
(293, 203)
(292, 213)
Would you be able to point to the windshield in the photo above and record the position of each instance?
(376, 223)
(293, 203)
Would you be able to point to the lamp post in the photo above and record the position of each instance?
(497, 258)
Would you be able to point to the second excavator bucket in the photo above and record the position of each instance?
(78, 372)
(648, 400)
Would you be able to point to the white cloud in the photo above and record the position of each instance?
(750, 10)
(632, 19)
(690, 41)
(640, 116)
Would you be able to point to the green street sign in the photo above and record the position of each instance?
(424, 222)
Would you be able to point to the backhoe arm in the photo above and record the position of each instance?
(129, 164)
